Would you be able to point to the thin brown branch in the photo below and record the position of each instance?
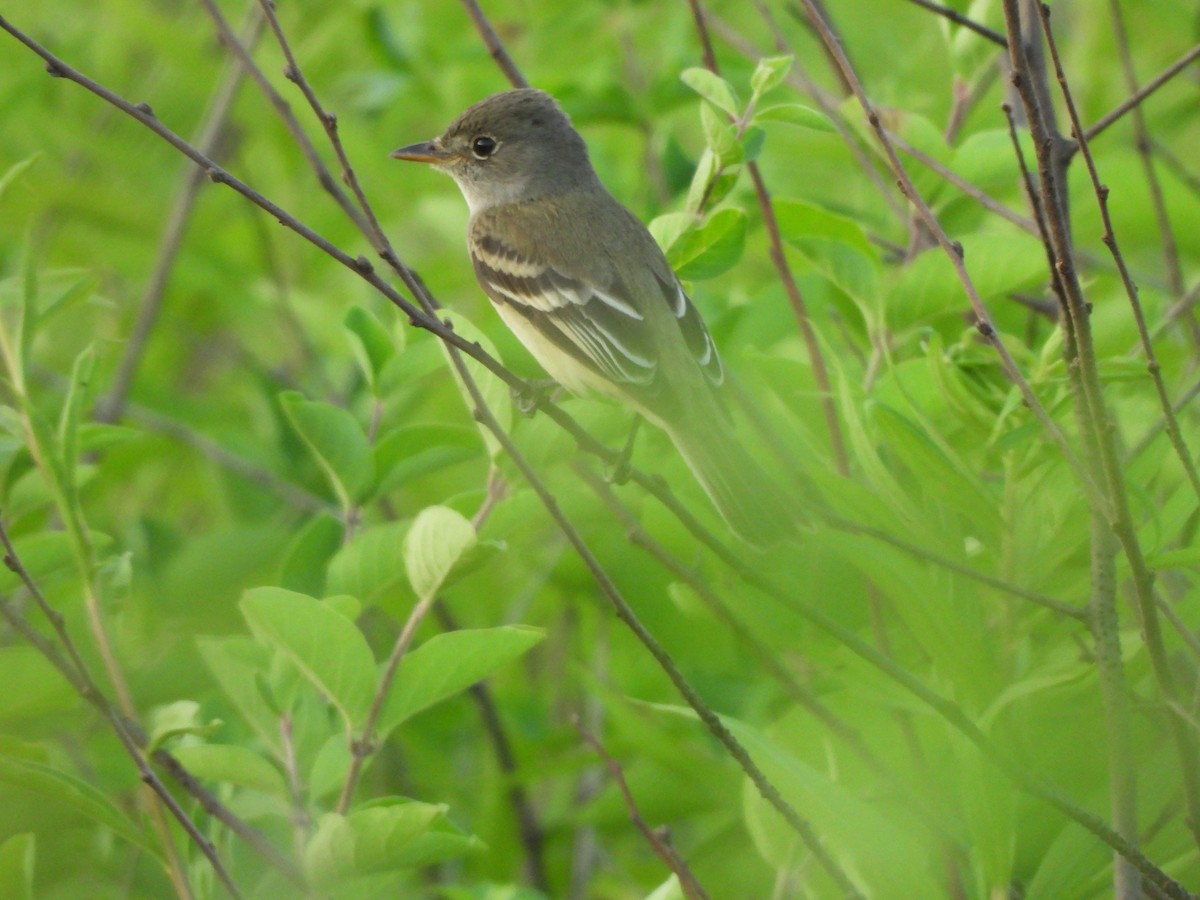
(1140, 94)
(494, 45)
(976, 193)
(965, 21)
(1141, 134)
(687, 880)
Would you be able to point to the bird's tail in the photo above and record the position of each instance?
(761, 512)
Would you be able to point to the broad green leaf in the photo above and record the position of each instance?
(795, 114)
(62, 787)
(372, 344)
(884, 853)
(496, 394)
(371, 567)
(178, 718)
(336, 440)
(711, 249)
(769, 73)
(669, 227)
(410, 452)
(16, 864)
(308, 555)
(438, 538)
(387, 835)
(711, 87)
(322, 643)
(238, 663)
(798, 220)
(1184, 557)
(449, 663)
(233, 764)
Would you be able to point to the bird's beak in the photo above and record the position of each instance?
(426, 151)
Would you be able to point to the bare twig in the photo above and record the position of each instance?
(687, 880)
(966, 22)
(494, 45)
(973, 191)
(1140, 94)
(1141, 136)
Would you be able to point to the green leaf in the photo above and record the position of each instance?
(798, 219)
(389, 834)
(371, 567)
(795, 114)
(373, 346)
(61, 787)
(16, 863)
(323, 644)
(712, 88)
(720, 135)
(236, 663)
(449, 663)
(410, 452)
(706, 171)
(309, 554)
(336, 440)
(496, 394)
(233, 764)
(15, 171)
(174, 719)
(438, 537)
(711, 249)
(68, 423)
(769, 73)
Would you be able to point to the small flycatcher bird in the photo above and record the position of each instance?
(586, 289)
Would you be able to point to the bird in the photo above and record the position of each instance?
(586, 289)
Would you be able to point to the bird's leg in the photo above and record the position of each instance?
(530, 397)
(619, 473)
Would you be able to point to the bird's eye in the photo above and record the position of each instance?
(483, 146)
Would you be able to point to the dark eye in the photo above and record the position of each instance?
(483, 146)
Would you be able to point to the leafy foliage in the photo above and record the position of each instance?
(295, 470)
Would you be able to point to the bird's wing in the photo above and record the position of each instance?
(602, 325)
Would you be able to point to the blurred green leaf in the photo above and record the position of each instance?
(711, 249)
(373, 346)
(712, 88)
(336, 440)
(17, 855)
(769, 73)
(795, 114)
(447, 664)
(62, 787)
(232, 764)
(324, 645)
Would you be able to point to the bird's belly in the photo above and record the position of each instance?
(567, 371)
